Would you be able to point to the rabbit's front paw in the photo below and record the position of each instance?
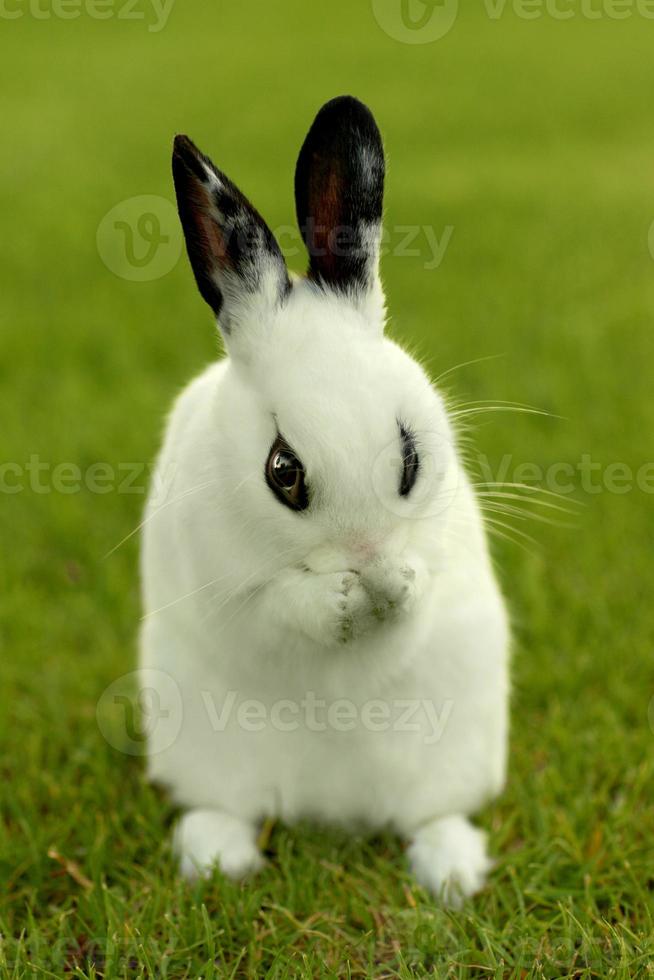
(393, 586)
(338, 609)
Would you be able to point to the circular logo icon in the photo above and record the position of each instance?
(437, 483)
(141, 712)
(416, 21)
(140, 239)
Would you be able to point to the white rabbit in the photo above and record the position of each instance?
(318, 593)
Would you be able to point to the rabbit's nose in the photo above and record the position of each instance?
(370, 547)
(364, 550)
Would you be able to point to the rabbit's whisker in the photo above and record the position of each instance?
(523, 515)
(457, 367)
(482, 408)
(527, 488)
(175, 500)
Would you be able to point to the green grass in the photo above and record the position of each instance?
(535, 141)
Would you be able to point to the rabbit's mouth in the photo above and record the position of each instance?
(360, 551)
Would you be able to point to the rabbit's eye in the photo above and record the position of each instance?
(285, 476)
(410, 462)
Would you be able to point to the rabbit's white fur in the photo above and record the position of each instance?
(243, 595)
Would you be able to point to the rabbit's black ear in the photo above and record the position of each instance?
(237, 263)
(339, 189)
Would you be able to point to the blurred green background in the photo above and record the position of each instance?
(532, 140)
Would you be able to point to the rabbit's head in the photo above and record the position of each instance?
(332, 442)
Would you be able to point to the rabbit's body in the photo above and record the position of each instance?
(342, 658)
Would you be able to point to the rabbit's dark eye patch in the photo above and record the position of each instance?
(410, 461)
(285, 476)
